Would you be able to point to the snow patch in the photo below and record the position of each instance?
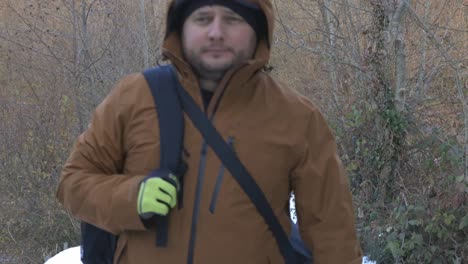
(68, 256)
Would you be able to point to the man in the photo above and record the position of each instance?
(219, 48)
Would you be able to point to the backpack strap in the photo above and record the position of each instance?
(302, 252)
(237, 169)
(97, 245)
(171, 130)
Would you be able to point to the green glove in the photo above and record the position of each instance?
(157, 195)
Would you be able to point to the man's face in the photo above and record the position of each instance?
(215, 38)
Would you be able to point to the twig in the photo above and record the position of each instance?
(8, 229)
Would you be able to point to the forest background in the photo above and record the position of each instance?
(390, 76)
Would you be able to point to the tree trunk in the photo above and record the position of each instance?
(390, 136)
(421, 84)
(330, 40)
(75, 70)
(398, 38)
(144, 31)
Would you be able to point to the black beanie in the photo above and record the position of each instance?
(250, 12)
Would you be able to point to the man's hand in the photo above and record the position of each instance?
(157, 195)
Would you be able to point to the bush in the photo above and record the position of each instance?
(417, 234)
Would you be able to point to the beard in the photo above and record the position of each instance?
(211, 69)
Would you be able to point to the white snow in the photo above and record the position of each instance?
(366, 260)
(68, 256)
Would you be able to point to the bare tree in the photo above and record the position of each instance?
(145, 34)
(331, 23)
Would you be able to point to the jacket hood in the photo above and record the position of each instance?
(172, 45)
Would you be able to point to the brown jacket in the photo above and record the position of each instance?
(280, 137)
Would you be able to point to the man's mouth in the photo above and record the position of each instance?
(216, 50)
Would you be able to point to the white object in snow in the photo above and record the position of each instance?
(68, 256)
(72, 256)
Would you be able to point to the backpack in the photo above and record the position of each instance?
(98, 246)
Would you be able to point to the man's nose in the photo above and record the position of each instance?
(216, 29)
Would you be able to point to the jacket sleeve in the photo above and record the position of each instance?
(92, 186)
(323, 199)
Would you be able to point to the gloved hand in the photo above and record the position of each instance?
(157, 195)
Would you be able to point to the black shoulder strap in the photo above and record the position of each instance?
(171, 129)
(170, 116)
(237, 169)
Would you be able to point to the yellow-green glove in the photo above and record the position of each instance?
(157, 195)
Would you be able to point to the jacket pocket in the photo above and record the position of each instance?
(219, 180)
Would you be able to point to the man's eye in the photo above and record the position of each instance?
(234, 19)
(202, 20)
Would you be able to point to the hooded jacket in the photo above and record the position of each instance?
(280, 137)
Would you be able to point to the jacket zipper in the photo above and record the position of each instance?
(219, 180)
(196, 208)
(201, 173)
